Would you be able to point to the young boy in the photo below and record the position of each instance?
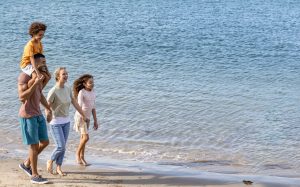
(34, 46)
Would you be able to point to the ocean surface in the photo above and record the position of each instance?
(207, 85)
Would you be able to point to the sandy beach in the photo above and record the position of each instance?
(11, 175)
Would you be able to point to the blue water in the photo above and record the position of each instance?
(210, 85)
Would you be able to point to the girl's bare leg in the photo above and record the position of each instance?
(81, 148)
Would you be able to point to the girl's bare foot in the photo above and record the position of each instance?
(84, 162)
(78, 160)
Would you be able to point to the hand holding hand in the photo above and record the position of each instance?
(48, 115)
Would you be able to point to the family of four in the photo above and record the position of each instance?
(31, 81)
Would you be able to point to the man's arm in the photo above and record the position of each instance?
(47, 106)
(44, 102)
(25, 92)
(48, 112)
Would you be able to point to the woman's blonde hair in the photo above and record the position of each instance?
(56, 72)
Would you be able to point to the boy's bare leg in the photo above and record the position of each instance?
(31, 81)
(47, 77)
(46, 74)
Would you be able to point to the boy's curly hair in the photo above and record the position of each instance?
(78, 84)
(36, 27)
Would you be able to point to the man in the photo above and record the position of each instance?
(33, 124)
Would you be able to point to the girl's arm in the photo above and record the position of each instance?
(95, 119)
(78, 108)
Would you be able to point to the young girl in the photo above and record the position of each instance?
(83, 91)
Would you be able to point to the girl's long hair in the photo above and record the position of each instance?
(78, 84)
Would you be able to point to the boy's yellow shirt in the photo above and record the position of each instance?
(30, 49)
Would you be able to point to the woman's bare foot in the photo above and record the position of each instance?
(60, 172)
(50, 166)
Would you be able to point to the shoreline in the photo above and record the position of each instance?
(106, 171)
(101, 175)
(85, 176)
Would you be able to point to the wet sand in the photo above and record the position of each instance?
(12, 175)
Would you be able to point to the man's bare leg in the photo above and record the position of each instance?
(41, 147)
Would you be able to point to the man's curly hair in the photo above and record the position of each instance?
(36, 27)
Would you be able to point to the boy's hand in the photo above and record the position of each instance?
(43, 69)
(96, 125)
(38, 73)
(39, 79)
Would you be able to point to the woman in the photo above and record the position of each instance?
(59, 99)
